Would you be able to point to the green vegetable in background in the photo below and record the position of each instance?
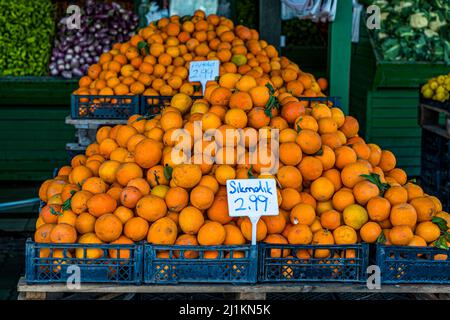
(413, 30)
(26, 32)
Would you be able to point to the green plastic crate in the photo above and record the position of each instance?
(36, 90)
(33, 140)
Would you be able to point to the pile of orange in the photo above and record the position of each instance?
(333, 187)
(156, 60)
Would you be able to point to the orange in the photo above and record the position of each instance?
(425, 208)
(345, 235)
(302, 214)
(290, 153)
(396, 195)
(260, 96)
(219, 210)
(364, 191)
(378, 209)
(277, 239)
(190, 220)
(370, 232)
(246, 83)
(162, 231)
(211, 233)
(130, 196)
(108, 227)
(290, 177)
(63, 233)
(186, 175)
(151, 208)
(414, 191)
(121, 254)
(428, 231)
(344, 156)
(100, 204)
(403, 215)
(351, 173)
(400, 235)
(342, 199)
(274, 224)
(257, 118)
(330, 219)
(136, 229)
(42, 234)
(202, 197)
(309, 141)
(236, 118)
(300, 234)
(127, 172)
(94, 185)
(79, 201)
(350, 127)
(246, 229)
(311, 168)
(186, 240)
(355, 216)
(322, 189)
(387, 161)
(123, 213)
(85, 223)
(176, 199)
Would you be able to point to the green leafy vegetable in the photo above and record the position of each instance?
(26, 33)
(412, 30)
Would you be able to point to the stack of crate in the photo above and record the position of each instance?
(435, 175)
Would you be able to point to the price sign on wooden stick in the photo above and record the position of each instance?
(252, 198)
(203, 71)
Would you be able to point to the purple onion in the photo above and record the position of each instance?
(102, 24)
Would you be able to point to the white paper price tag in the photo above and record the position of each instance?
(252, 198)
(203, 71)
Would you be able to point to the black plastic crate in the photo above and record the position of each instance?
(104, 107)
(403, 264)
(435, 171)
(445, 105)
(343, 263)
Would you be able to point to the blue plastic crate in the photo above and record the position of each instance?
(412, 264)
(42, 267)
(152, 105)
(176, 268)
(103, 107)
(336, 101)
(335, 268)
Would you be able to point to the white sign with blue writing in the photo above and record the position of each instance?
(252, 198)
(203, 71)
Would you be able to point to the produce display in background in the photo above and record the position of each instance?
(102, 24)
(437, 88)
(156, 60)
(413, 30)
(333, 186)
(26, 33)
(246, 13)
(304, 32)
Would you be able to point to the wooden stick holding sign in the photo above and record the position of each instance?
(203, 71)
(252, 198)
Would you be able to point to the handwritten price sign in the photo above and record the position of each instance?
(252, 198)
(203, 71)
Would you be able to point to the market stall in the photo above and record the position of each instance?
(204, 160)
